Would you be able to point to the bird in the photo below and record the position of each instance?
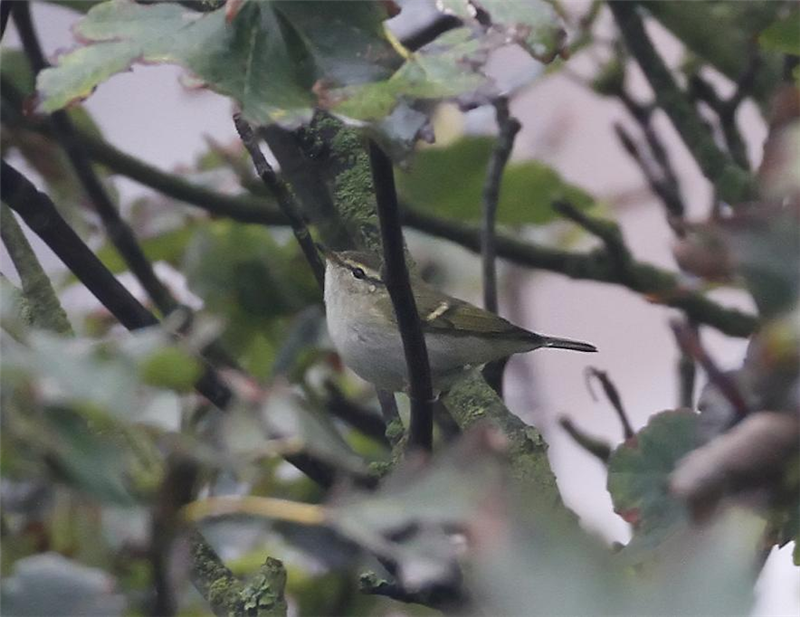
(459, 336)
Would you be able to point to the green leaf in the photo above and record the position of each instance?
(639, 469)
(171, 368)
(534, 25)
(783, 35)
(449, 181)
(269, 57)
(441, 70)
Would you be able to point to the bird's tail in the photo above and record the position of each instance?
(564, 343)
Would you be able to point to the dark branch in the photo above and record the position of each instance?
(658, 181)
(607, 231)
(733, 184)
(726, 112)
(420, 432)
(690, 344)
(430, 32)
(658, 285)
(363, 420)
(119, 232)
(286, 201)
(596, 447)
(508, 128)
(612, 394)
(39, 213)
(5, 12)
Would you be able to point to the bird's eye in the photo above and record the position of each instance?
(359, 273)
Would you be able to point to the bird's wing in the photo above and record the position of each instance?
(437, 311)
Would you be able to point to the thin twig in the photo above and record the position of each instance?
(612, 394)
(420, 432)
(284, 197)
(46, 310)
(607, 231)
(690, 344)
(119, 232)
(734, 184)
(431, 31)
(664, 188)
(596, 447)
(508, 127)
(726, 113)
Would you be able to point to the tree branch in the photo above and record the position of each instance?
(732, 183)
(119, 232)
(46, 310)
(612, 394)
(508, 129)
(39, 213)
(420, 432)
(226, 595)
(596, 447)
(658, 285)
(285, 200)
(690, 344)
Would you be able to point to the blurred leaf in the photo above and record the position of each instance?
(49, 584)
(532, 566)
(783, 35)
(171, 368)
(268, 57)
(288, 418)
(441, 70)
(639, 470)
(88, 459)
(765, 249)
(168, 247)
(534, 25)
(449, 181)
(252, 283)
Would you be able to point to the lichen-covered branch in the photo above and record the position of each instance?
(472, 401)
(227, 596)
(732, 183)
(45, 309)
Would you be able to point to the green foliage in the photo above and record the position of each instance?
(449, 181)
(783, 35)
(268, 57)
(639, 469)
